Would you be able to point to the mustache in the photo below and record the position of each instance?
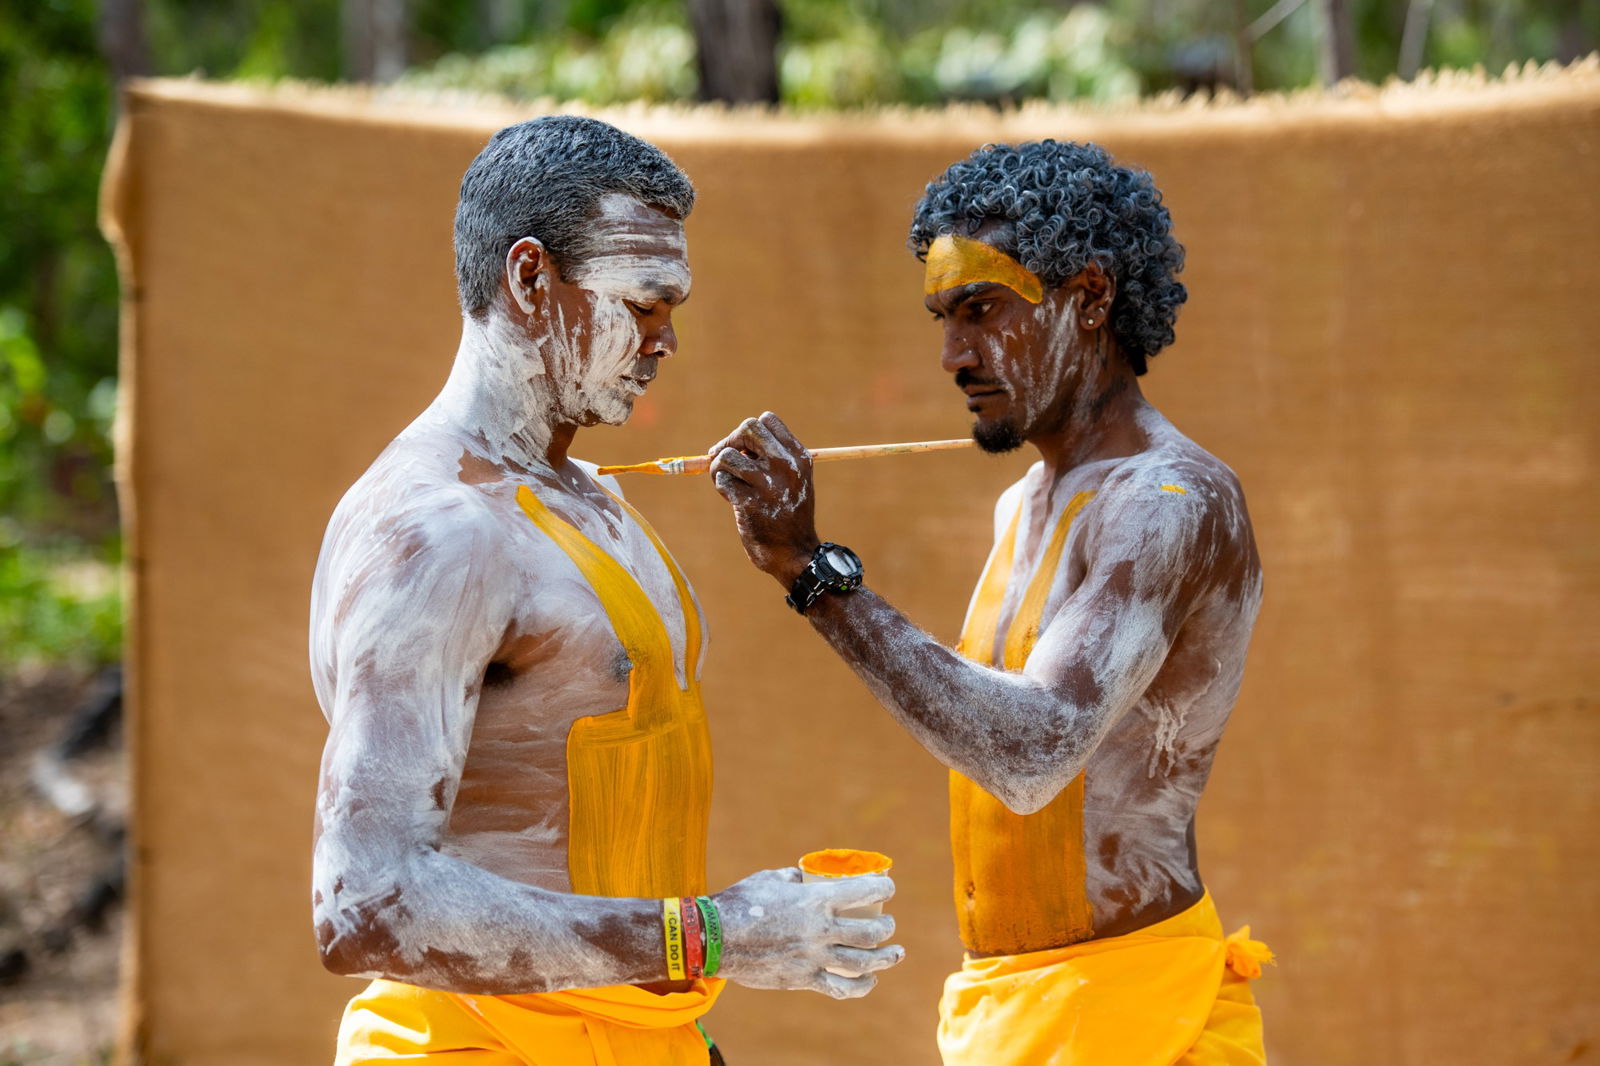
(965, 377)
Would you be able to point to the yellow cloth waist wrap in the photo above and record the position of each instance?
(639, 800)
(1172, 994)
(1020, 880)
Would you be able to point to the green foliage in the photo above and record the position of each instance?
(262, 39)
(59, 606)
(58, 304)
(646, 53)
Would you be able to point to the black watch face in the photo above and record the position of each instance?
(842, 563)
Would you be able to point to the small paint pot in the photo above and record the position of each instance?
(830, 863)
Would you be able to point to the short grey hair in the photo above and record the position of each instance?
(545, 178)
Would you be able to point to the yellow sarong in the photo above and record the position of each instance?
(639, 797)
(613, 1026)
(1171, 994)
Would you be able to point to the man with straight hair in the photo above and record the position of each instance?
(511, 822)
(1105, 642)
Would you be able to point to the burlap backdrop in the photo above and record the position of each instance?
(1390, 336)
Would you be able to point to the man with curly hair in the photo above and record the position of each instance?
(1104, 645)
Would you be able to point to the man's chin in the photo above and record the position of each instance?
(997, 437)
(615, 413)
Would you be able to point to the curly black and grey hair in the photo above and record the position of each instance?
(545, 178)
(1068, 205)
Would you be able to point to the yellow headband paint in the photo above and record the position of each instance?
(955, 261)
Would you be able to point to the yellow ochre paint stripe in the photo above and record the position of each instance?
(954, 261)
(1179, 489)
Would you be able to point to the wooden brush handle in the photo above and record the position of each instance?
(700, 464)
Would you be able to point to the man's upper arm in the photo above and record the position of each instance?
(1150, 556)
(416, 618)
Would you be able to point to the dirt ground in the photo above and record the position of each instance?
(62, 815)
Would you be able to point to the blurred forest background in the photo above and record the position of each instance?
(61, 776)
(60, 61)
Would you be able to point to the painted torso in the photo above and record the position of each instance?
(557, 658)
(1115, 850)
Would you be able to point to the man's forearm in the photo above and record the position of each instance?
(441, 922)
(1005, 731)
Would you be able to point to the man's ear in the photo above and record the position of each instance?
(1097, 290)
(528, 265)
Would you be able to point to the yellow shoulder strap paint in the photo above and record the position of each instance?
(638, 778)
(1020, 880)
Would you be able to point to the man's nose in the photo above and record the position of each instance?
(958, 352)
(661, 341)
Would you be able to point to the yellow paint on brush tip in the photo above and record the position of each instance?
(955, 261)
(1179, 489)
(844, 862)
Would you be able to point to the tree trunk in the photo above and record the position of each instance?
(122, 39)
(1414, 39)
(736, 42)
(1338, 41)
(375, 39)
(1243, 46)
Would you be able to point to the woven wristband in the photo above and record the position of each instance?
(711, 922)
(694, 944)
(672, 932)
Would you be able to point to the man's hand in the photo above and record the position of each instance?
(765, 474)
(780, 933)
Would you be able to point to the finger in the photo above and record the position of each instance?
(782, 434)
(831, 984)
(861, 891)
(863, 932)
(740, 495)
(855, 960)
(732, 439)
(754, 437)
(737, 463)
(786, 875)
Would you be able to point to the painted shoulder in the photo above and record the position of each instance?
(1175, 495)
(606, 481)
(1005, 507)
(408, 509)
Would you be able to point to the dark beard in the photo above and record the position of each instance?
(997, 438)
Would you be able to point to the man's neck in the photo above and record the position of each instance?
(1104, 422)
(500, 396)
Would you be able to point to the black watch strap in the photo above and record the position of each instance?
(833, 568)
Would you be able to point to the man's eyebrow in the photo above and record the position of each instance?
(942, 304)
(662, 288)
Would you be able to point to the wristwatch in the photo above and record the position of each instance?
(833, 568)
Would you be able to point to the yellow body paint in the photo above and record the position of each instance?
(1021, 880)
(954, 261)
(1179, 489)
(638, 778)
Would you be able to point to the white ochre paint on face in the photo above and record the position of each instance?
(454, 645)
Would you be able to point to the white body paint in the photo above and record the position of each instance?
(1145, 774)
(1143, 637)
(453, 645)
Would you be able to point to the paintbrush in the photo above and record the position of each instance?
(700, 464)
